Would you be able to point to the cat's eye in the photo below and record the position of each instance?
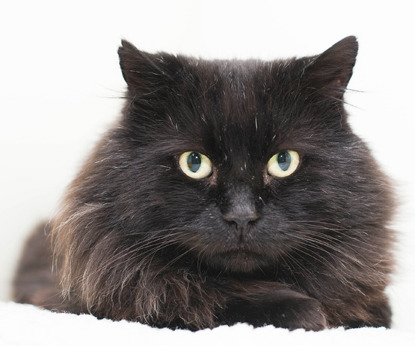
(283, 163)
(195, 165)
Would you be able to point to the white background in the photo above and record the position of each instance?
(60, 88)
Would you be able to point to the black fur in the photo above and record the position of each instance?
(137, 239)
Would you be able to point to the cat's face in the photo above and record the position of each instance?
(237, 164)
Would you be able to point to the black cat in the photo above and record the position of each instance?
(228, 191)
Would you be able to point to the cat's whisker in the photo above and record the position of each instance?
(313, 247)
(151, 250)
(324, 230)
(296, 262)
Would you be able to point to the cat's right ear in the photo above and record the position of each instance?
(143, 71)
(329, 73)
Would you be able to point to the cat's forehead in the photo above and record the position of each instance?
(241, 82)
(241, 106)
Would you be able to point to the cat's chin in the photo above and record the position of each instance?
(239, 261)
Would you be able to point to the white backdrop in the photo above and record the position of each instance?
(60, 86)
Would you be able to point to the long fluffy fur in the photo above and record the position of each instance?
(136, 239)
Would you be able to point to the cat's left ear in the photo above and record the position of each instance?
(329, 73)
(145, 72)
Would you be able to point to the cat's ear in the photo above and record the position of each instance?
(330, 72)
(144, 71)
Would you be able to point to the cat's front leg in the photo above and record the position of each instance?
(264, 303)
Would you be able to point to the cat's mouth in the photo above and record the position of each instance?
(239, 260)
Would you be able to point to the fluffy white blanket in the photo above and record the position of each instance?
(27, 325)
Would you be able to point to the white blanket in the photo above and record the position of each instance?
(27, 325)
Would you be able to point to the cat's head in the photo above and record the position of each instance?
(234, 164)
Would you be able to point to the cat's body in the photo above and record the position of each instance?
(184, 216)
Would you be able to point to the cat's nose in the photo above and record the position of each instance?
(241, 217)
(241, 209)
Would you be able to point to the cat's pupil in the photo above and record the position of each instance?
(194, 161)
(284, 160)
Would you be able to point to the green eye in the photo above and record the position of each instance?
(195, 165)
(283, 163)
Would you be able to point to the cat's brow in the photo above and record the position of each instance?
(177, 146)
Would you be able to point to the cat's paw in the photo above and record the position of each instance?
(301, 314)
(281, 307)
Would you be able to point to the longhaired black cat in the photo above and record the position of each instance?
(228, 191)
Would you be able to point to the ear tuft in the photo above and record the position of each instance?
(330, 72)
(126, 46)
